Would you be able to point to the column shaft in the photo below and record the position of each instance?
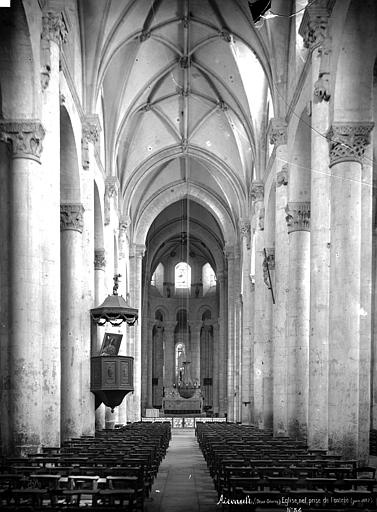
(25, 292)
(50, 255)
(5, 257)
(246, 322)
(280, 382)
(319, 272)
(259, 341)
(195, 355)
(216, 366)
(136, 289)
(71, 305)
(98, 332)
(345, 308)
(366, 263)
(298, 333)
(222, 383)
(231, 337)
(25, 300)
(349, 347)
(169, 354)
(149, 363)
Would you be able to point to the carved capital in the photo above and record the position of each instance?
(91, 128)
(277, 131)
(261, 214)
(54, 27)
(25, 138)
(124, 224)
(282, 176)
(257, 191)
(268, 265)
(99, 259)
(45, 76)
(90, 133)
(322, 87)
(313, 28)
(245, 231)
(111, 186)
(72, 217)
(347, 141)
(111, 192)
(298, 216)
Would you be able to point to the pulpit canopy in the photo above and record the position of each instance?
(114, 309)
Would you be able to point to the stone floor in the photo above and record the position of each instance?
(183, 483)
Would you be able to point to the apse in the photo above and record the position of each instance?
(184, 251)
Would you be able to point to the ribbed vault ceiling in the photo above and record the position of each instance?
(173, 98)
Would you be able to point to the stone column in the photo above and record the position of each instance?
(247, 341)
(123, 258)
(71, 225)
(278, 137)
(257, 197)
(222, 381)
(54, 33)
(90, 137)
(5, 323)
(90, 133)
(149, 362)
(280, 411)
(237, 336)
(169, 354)
(298, 222)
(195, 353)
(216, 366)
(205, 333)
(349, 358)
(26, 349)
(268, 266)
(230, 254)
(320, 190)
(99, 297)
(111, 197)
(136, 258)
(366, 317)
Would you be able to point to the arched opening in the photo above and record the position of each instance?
(182, 276)
(206, 359)
(158, 359)
(184, 287)
(69, 168)
(208, 278)
(157, 279)
(72, 223)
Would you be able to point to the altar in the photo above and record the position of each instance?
(174, 403)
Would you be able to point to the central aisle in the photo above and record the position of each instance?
(183, 483)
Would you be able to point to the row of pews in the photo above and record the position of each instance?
(252, 470)
(113, 470)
